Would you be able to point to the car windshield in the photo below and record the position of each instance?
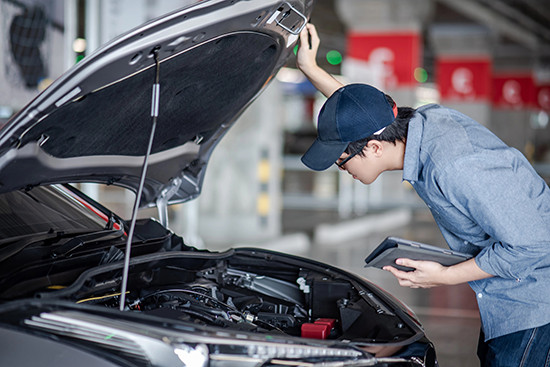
(54, 208)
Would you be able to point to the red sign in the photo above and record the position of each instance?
(392, 57)
(514, 90)
(543, 97)
(464, 79)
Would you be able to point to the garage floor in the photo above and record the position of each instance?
(449, 314)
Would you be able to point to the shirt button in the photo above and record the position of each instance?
(465, 242)
(479, 295)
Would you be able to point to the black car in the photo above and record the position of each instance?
(80, 286)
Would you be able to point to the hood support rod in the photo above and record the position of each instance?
(154, 115)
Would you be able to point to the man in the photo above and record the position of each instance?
(485, 197)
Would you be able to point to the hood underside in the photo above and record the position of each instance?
(94, 123)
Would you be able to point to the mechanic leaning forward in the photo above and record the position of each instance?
(486, 198)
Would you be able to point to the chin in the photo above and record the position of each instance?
(366, 181)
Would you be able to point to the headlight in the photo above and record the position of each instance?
(243, 353)
(192, 357)
(298, 351)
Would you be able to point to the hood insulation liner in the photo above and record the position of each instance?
(201, 89)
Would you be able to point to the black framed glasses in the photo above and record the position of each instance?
(342, 163)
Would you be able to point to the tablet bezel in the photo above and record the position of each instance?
(393, 248)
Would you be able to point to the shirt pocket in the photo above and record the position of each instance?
(456, 222)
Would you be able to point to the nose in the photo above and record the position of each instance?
(341, 168)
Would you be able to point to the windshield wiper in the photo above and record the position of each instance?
(19, 243)
(82, 236)
(74, 243)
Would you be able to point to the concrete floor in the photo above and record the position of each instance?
(449, 314)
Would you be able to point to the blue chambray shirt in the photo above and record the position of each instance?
(487, 201)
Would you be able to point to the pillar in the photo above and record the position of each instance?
(384, 49)
(514, 98)
(463, 68)
(240, 201)
(384, 44)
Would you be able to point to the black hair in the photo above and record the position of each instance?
(396, 131)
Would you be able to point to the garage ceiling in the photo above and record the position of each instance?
(521, 27)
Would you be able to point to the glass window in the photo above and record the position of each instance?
(44, 209)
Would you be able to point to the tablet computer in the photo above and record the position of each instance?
(393, 248)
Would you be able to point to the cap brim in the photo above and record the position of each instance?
(322, 155)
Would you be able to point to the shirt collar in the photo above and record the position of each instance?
(411, 162)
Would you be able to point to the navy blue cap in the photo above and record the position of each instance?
(353, 112)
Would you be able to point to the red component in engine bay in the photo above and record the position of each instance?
(320, 329)
(329, 322)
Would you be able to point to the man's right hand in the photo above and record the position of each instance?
(307, 52)
(306, 60)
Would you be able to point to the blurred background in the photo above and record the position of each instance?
(490, 59)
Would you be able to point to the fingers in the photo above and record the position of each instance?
(303, 34)
(314, 37)
(405, 278)
(399, 274)
(309, 37)
(409, 263)
(427, 274)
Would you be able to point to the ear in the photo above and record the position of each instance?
(375, 147)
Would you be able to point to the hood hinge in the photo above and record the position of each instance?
(162, 200)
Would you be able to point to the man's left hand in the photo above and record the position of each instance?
(427, 274)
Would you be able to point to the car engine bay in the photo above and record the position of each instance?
(224, 290)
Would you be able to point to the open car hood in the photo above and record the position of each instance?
(93, 123)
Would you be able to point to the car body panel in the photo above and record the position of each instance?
(64, 290)
(213, 59)
(256, 297)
